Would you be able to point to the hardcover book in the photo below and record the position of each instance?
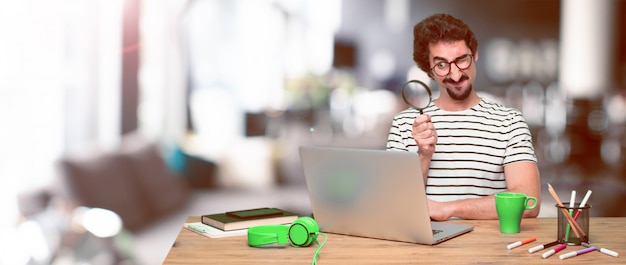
(248, 218)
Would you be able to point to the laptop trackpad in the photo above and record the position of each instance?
(444, 230)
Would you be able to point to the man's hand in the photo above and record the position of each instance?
(425, 135)
(437, 211)
(483, 208)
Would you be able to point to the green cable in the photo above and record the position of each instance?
(319, 247)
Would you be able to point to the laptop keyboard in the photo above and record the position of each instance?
(436, 231)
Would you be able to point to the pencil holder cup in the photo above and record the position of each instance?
(573, 224)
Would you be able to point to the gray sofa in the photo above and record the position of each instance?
(152, 200)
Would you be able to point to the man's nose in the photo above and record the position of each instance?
(455, 72)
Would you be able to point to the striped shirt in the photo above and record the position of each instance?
(473, 146)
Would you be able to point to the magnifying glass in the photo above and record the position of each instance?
(417, 95)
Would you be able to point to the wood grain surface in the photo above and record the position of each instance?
(484, 245)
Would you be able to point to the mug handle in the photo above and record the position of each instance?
(530, 198)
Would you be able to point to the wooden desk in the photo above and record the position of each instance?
(484, 245)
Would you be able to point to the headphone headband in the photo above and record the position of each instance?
(267, 234)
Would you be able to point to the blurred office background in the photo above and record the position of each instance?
(228, 91)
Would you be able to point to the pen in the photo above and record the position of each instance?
(196, 228)
(551, 252)
(522, 242)
(603, 250)
(572, 203)
(540, 247)
(583, 203)
(576, 253)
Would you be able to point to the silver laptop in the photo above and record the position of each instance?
(372, 193)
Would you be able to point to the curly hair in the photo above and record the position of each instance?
(436, 28)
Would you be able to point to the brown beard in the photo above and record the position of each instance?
(465, 94)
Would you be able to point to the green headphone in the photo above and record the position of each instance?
(301, 233)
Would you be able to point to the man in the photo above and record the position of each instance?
(470, 148)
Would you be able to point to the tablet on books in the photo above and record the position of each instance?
(372, 193)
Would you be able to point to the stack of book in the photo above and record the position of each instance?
(248, 218)
(237, 222)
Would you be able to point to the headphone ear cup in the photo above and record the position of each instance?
(303, 231)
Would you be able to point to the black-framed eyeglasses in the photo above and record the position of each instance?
(442, 68)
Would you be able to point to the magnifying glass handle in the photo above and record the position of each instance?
(421, 112)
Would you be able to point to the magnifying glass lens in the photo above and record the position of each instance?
(416, 94)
